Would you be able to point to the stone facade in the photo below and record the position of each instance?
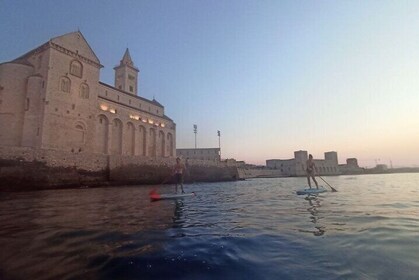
(61, 127)
(24, 168)
(51, 98)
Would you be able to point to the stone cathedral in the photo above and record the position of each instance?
(51, 98)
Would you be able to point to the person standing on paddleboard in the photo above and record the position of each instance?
(310, 170)
(179, 170)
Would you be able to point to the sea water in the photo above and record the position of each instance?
(254, 229)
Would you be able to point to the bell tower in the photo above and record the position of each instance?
(126, 75)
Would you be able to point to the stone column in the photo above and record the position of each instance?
(109, 146)
(134, 141)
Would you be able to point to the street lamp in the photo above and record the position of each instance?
(195, 130)
(219, 142)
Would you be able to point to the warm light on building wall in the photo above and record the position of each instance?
(105, 107)
(134, 117)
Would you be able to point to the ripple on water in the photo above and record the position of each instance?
(256, 229)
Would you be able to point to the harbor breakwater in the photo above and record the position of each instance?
(24, 168)
(245, 173)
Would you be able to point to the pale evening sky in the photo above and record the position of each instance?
(272, 76)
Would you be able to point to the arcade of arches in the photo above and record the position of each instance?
(117, 138)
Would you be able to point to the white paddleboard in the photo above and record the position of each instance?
(156, 196)
(311, 191)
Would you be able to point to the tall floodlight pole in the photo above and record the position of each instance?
(219, 141)
(195, 130)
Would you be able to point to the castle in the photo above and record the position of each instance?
(327, 166)
(51, 98)
(296, 166)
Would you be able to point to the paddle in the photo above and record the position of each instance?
(167, 179)
(333, 189)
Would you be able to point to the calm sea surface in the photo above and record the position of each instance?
(254, 229)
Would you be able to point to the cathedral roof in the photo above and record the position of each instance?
(133, 96)
(22, 61)
(72, 43)
(76, 42)
(156, 102)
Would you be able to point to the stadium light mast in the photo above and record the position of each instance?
(195, 130)
(219, 142)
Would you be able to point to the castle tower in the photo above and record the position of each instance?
(126, 75)
(352, 162)
(301, 156)
(331, 156)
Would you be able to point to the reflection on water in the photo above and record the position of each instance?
(315, 217)
(255, 229)
(178, 212)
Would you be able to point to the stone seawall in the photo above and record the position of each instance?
(259, 173)
(30, 169)
(27, 168)
(141, 170)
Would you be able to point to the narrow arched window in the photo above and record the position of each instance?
(84, 91)
(76, 68)
(65, 84)
(80, 132)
